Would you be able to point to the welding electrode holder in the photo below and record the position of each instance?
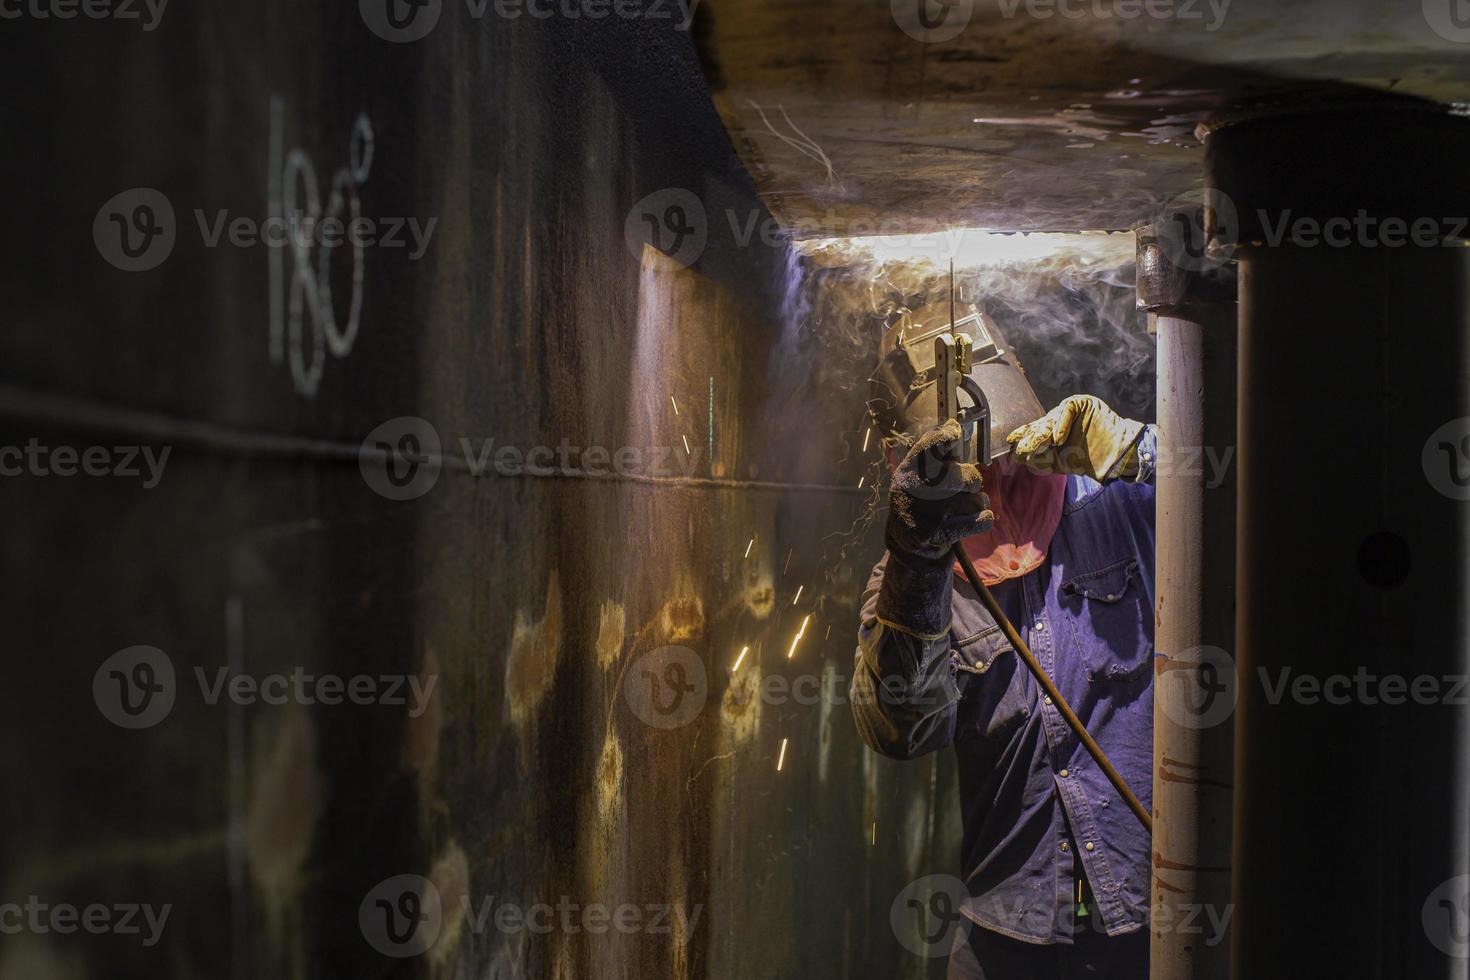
(953, 359)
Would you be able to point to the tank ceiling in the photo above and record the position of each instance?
(856, 118)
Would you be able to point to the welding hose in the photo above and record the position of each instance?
(1068, 715)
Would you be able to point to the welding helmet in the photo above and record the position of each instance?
(905, 400)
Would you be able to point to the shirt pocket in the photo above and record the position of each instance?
(993, 696)
(974, 654)
(1110, 618)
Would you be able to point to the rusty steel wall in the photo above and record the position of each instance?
(528, 631)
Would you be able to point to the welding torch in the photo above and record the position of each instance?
(952, 368)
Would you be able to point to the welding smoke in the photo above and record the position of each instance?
(1066, 301)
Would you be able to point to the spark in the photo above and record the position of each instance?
(740, 659)
(860, 481)
(797, 638)
(675, 404)
(866, 435)
(875, 833)
(828, 634)
(781, 759)
(749, 546)
(788, 561)
(686, 444)
(797, 599)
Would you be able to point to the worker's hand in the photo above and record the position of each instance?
(1081, 435)
(935, 501)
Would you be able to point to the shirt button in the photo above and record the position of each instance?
(1048, 700)
(1063, 774)
(1065, 847)
(1089, 845)
(1040, 627)
(1015, 565)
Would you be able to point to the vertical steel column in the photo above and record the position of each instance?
(1353, 595)
(1192, 313)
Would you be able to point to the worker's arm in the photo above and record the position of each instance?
(1146, 450)
(903, 693)
(903, 690)
(1083, 435)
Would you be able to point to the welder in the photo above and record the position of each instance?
(1057, 518)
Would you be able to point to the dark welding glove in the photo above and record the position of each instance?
(1081, 435)
(932, 503)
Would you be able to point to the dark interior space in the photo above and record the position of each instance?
(442, 469)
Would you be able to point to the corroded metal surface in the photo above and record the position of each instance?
(855, 118)
(538, 769)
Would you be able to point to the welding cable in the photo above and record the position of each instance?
(1068, 715)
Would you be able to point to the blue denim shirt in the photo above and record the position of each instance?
(1031, 797)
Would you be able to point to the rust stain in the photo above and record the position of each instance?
(282, 813)
(450, 876)
(1163, 885)
(609, 776)
(682, 619)
(1163, 662)
(1168, 771)
(534, 649)
(760, 599)
(421, 734)
(611, 627)
(740, 707)
(1162, 862)
(679, 938)
(603, 871)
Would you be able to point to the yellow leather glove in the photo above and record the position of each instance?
(1081, 435)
